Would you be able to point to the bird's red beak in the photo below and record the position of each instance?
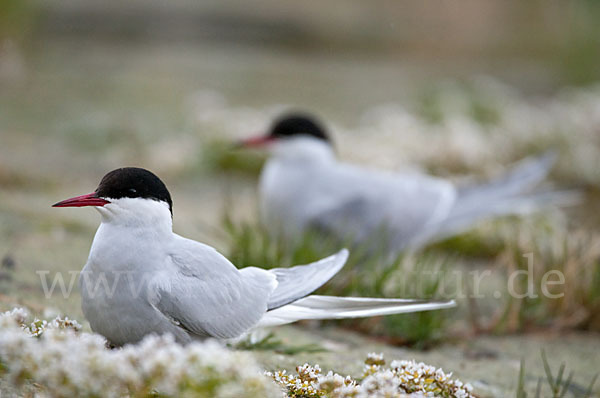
(256, 142)
(91, 199)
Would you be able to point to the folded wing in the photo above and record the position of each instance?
(207, 296)
(370, 206)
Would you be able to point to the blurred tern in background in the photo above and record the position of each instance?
(304, 187)
(141, 278)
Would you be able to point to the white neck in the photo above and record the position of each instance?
(137, 213)
(303, 148)
(132, 235)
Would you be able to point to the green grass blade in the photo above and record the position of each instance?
(521, 386)
(566, 385)
(589, 392)
(548, 371)
(560, 373)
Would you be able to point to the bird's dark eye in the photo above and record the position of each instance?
(132, 190)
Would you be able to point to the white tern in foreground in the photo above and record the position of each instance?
(141, 278)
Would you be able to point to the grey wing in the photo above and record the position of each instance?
(353, 220)
(208, 296)
(297, 282)
(373, 202)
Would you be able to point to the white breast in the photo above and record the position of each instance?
(115, 284)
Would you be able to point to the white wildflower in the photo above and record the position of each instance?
(59, 361)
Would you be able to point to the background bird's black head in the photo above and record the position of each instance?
(298, 124)
(133, 182)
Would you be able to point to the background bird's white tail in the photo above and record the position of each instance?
(509, 194)
(526, 174)
(331, 307)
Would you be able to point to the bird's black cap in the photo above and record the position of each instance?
(295, 124)
(133, 182)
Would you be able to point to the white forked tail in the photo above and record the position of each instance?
(509, 194)
(331, 307)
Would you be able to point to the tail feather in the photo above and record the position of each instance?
(525, 175)
(509, 194)
(331, 307)
(519, 205)
(301, 280)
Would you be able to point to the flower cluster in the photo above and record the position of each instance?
(310, 383)
(401, 379)
(422, 378)
(61, 362)
(18, 316)
(53, 359)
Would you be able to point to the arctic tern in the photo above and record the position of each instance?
(141, 278)
(304, 187)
